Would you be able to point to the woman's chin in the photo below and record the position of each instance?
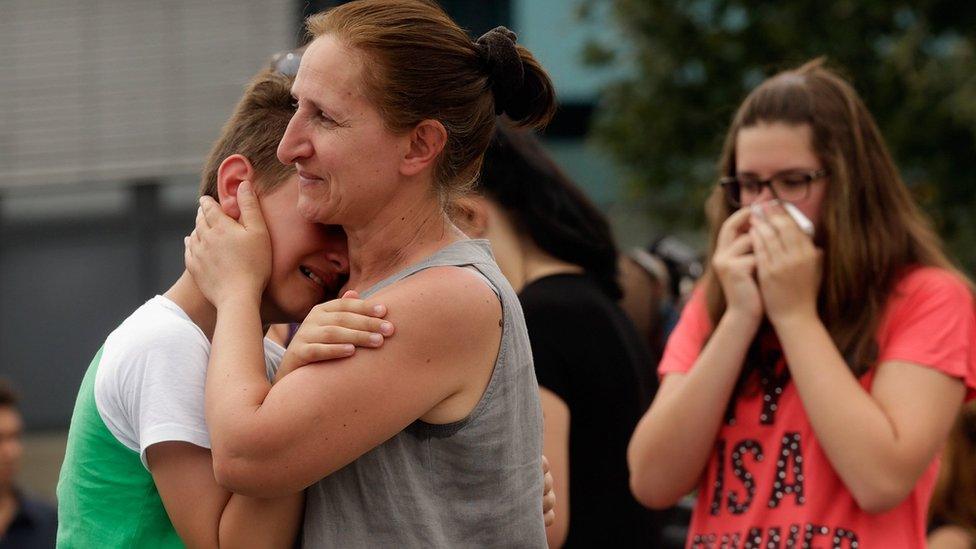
(315, 211)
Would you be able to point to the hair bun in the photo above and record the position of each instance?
(506, 74)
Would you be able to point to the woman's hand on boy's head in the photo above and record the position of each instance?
(229, 259)
(334, 329)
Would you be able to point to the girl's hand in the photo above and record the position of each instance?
(334, 329)
(788, 264)
(229, 259)
(735, 266)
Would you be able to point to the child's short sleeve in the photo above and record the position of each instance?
(169, 400)
(688, 337)
(931, 321)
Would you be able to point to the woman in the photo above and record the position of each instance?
(811, 382)
(557, 251)
(434, 438)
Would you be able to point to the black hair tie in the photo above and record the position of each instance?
(505, 71)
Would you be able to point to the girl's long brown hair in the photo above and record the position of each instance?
(872, 230)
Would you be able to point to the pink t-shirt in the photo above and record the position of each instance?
(769, 482)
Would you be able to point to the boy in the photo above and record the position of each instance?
(137, 469)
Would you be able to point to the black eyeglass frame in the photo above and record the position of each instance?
(730, 182)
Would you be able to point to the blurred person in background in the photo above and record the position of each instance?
(952, 522)
(657, 281)
(644, 281)
(594, 371)
(812, 379)
(25, 523)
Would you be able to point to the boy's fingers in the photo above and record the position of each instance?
(350, 294)
(354, 321)
(340, 334)
(247, 201)
(550, 518)
(352, 305)
(548, 502)
(319, 352)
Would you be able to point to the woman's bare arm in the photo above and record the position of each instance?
(269, 441)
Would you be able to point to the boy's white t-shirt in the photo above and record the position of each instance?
(149, 387)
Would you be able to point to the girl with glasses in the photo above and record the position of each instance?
(812, 381)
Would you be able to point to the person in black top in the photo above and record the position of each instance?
(595, 373)
(24, 523)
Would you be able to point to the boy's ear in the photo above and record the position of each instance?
(471, 215)
(427, 140)
(232, 171)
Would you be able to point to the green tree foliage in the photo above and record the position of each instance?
(694, 61)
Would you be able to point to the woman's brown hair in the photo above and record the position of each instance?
(422, 66)
(872, 230)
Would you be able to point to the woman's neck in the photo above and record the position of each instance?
(403, 233)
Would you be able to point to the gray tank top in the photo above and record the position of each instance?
(473, 483)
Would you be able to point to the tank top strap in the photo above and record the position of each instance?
(476, 253)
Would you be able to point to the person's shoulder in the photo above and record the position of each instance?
(159, 324)
(158, 339)
(928, 282)
(442, 298)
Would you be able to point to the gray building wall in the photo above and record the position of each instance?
(107, 109)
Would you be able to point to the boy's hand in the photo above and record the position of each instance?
(334, 329)
(548, 496)
(229, 259)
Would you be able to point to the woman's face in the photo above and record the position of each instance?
(766, 150)
(347, 160)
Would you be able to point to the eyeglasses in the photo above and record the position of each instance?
(790, 185)
(287, 62)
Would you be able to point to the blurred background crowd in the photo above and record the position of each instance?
(108, 108)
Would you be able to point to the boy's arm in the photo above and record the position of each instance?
(206, 515)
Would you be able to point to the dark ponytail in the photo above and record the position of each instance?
(544, 204)
(521, 88)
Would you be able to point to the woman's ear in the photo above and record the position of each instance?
(232, 171)
(427, 140)
(471, 215)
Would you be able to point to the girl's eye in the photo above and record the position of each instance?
(749, 185)
(794, 180)
(326, 118)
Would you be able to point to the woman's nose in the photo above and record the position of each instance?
(294, 145)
